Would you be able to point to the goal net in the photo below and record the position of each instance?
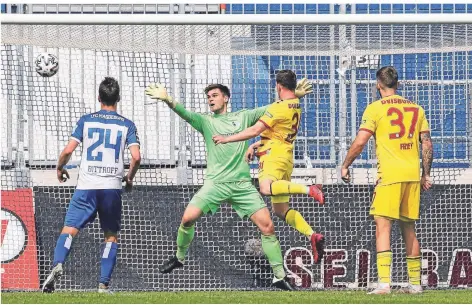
(434, 62)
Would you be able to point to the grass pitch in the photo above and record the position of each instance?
(236, 297)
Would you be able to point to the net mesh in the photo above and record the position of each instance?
(435, 67)
(245, 39)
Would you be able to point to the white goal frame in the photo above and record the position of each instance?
(217, 19)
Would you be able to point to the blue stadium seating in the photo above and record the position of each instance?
(447, 116)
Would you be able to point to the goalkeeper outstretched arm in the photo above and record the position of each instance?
(158, 92)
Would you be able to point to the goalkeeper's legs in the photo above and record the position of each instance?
(270, 244)
(271, 247)
(185, 236)
(187, 231)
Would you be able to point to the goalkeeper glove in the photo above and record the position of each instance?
(303, 88)
(159, 92)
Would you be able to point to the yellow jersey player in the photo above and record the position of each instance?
(278, 128)
(398, 125)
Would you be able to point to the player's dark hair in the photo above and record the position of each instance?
(223, 89)
(388, 77)
(109, 91)
(287, 79)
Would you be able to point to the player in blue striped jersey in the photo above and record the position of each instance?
(104, 136)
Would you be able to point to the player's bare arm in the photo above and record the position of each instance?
(354, 151)
(62, 174)
(427, 153)
(303, 88)
(244, 135)
(133, 167)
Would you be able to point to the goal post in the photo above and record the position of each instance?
(338, 53)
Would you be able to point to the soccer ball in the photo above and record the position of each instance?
(46, 64)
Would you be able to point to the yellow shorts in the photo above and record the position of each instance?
(276, 163)
(397, 201)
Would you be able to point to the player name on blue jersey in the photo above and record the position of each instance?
(104, 136)
(102, 169)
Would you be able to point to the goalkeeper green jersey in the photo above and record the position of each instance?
(225, 162)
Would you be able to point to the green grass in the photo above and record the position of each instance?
(244, 297)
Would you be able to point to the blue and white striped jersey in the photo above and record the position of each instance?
(104, 136)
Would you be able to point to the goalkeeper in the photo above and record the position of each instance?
(227, 177)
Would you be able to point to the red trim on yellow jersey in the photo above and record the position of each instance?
(265, 152)
(265, 124)
(365, 129)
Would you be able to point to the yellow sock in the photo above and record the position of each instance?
(384, 262)
(283, 187)
(296, 220)
(413, 263)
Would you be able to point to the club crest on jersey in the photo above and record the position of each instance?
(236, 124)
